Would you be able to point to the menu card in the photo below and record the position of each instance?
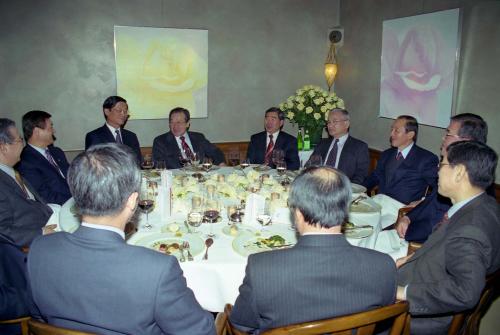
(164, 200)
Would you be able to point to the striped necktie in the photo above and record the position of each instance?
(269, 150)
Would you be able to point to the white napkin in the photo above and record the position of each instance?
(164, 199)
(390, 208)
(388, 242)
(254, 204)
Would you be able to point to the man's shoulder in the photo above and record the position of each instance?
(163, 137)
(287, 136)
(357, 142)
(423, 153)
(257, 136)
(128, 132)
(195, 135)
(97, 131)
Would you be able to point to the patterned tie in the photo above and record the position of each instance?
(269, 150)
(186, 148)
(118, 137)
(53, 162)
(399, 156)
(441, 223)
(332, 157)
(21, 183)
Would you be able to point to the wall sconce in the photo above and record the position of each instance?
(331, 66)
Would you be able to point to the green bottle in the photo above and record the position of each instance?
(300, 142)
(307, 141)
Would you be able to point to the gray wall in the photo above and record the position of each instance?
(479, 65)
(57, 55)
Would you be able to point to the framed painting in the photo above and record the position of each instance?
(419, 67)
(158, 69)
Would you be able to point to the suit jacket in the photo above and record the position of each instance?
(354, 159)
(21, 219)
(448, 273)
(13, 284)
(165, 148)
(322, 276)
(43, 176)
(286, 142)
(409, 180)
(102, 285)
(104, 135)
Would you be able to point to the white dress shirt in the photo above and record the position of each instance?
(188, 141)
(340, 145)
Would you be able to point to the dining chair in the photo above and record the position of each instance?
(41, 328)
(23, 321)
(221, 323)
(468, 322)
(364, 323)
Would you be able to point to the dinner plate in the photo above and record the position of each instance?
(246, 243)
(365, 206)
(358, 232)
(262, 168)
(356, 188)
(200, 168)
(196, 244)
(239, 229)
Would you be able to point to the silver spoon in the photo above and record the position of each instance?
(208, 243)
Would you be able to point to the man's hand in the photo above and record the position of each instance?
(49, 229)
(400, 293)
(402, 226)
(403, 260)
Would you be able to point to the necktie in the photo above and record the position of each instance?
(118, 137)
(399, 156)
(186, 148)
(269, 150)
(441, 223)
(332, 157)
(21, 183)
(53, 162)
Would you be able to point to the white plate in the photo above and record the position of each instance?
(365, 206)
(196, 244)
(356, 188)
(240, 229)
(262, 168)
(244, 244)
(360, 232)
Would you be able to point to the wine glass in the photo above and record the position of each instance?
(184, 159)
(195, 161)
(278, 155)
(147, 162)
(195, 218)
(264, 216)
(281, 168)
(314, 160)
(211, 213)
(207, 163)
(245, 163)
(160, 165)
(147, 200)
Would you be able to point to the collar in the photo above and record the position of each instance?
(8, 170)
(453, 209)
(103, 227)
(40, 150)
(406, 150)
(112, 129)
(275, 135)
(342, 139)
(178, 138)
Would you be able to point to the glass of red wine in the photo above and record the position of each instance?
(211, 213)
(147, 200)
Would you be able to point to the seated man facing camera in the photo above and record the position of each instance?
(322, 276)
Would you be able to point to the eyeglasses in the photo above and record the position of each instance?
(336, 121)
(181, 123)
(17, 140)
(120, 111)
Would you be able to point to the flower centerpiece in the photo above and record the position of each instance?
(309, 109)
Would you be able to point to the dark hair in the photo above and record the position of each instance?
(410, 125)
(472, 127)
(34, 119)
(322, 195)
(111, 102)
(5, 135)
(479, 160)
(281, 114)
(176, 110)
(102, 178)
(343, 111)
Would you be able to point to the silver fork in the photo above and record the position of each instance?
(181, 248)
(185, 245)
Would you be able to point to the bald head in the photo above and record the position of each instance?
(322, 195)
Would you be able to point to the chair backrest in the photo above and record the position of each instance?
(473, 317)
(22, 321)
(363, 322)
(40, 328)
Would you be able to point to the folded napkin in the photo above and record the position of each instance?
(254, 205)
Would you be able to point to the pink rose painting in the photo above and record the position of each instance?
(419, 60)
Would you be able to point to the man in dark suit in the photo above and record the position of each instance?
(341, 150)
(99, 283)
(322, 276)
(23, 213)
(179, 142)
(115, 111)
(13, 285)
(42, 164)
(417, 225)
(263, 144)
(405, 171)
(447, 274)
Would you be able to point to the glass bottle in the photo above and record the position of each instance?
(307, 141)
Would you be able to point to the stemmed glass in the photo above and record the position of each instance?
(147, 162)
(264, 216)
(278, 155)
(147, 200)
(245, 163)
(211, 212)
(207, 163)
(281, 168)
(314, 160)
(184, 159)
